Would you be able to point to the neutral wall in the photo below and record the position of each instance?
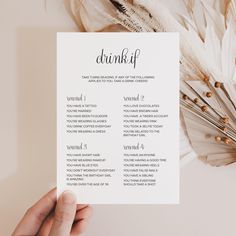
(28, 140)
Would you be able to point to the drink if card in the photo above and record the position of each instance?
(118, 117)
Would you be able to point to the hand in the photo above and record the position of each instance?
(48, 217)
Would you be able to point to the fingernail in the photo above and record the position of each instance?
(68, 197)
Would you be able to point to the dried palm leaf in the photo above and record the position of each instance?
(207, 65)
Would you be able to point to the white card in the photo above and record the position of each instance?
(118, 117)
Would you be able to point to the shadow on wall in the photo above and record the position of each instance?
(36, 163)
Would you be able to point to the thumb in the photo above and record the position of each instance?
(64, 215)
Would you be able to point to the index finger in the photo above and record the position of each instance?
(35, 215)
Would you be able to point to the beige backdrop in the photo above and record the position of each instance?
(28, 140)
